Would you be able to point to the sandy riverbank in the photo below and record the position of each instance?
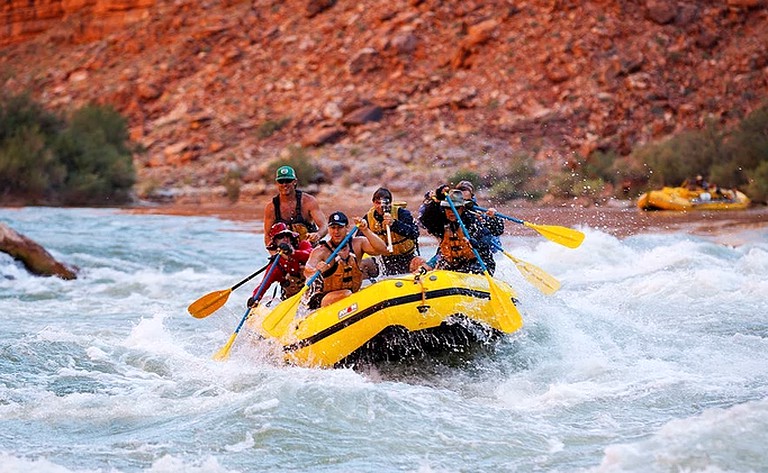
(620, 219)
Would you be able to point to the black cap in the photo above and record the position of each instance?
(382, 193)
(338, 218)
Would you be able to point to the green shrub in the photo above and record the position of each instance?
(299, 160)
(629, 177)
(599, 165)
(749, 142)
(727, 174)
(588, 188)
(93, 148)
(466, 175)
(232, 182)
(504, 190)
(748, 150)
(757, 189)
(735, 159)
(562, 184)
(27, 166)
(20, 111)
(682, 156)
(512, 182)
(86, 160)
(149, 188)
(270, 127)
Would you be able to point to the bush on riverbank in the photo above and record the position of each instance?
(736, 158)
(301, 162)
(84, 159)
(730, 158)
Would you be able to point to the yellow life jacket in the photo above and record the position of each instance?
(344, 274)
(400, 244)
(455, 247)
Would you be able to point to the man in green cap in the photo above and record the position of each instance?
(297, 209)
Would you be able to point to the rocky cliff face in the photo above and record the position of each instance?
(77, 21)
(402, 92)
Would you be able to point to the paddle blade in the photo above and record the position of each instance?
(543, 281)
(562, 235)
(282, 313)
(502, 306)
(223, 354)
(209, 303)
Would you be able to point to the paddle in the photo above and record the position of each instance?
(535, 275)
(545, 282)
(562, 235)
(387, 207)
(223, 354)
(274, 318)
(213, 301)
(500, 304)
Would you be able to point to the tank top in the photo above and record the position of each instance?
(298, 223)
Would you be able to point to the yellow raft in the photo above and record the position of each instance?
(442, 311)
(681, 198)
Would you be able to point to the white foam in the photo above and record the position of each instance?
(12, 464)
(730, 439)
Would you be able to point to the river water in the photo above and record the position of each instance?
(651, 358)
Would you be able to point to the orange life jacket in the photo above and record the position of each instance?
(292, 284)
(455, 247)
(343, 274)
(400, 244)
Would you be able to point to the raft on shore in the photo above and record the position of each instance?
(681, 198)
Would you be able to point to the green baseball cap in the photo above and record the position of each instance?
(285, 173)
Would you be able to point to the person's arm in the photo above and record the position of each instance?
(269, 220)
(316, 261)
(479, 236)
(432, 218)
(317, 216)
(405, 226)
(372, 243)
(301, 254)
(495, 224)
(276, 276)
(428, 265)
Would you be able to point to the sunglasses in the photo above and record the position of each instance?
(284, 181)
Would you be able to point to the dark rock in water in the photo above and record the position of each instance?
(33, 256)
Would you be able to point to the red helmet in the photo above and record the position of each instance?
(280, 228)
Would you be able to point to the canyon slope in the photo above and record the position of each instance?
(403, 93)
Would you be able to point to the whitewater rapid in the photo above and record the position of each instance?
(651, 358)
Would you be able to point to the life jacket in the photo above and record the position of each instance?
(454, 247)
(298, 223)
(400, 244)
(291, 284)
(292, 269)
(344, 274)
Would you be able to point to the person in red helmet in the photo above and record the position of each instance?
(293, 254)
